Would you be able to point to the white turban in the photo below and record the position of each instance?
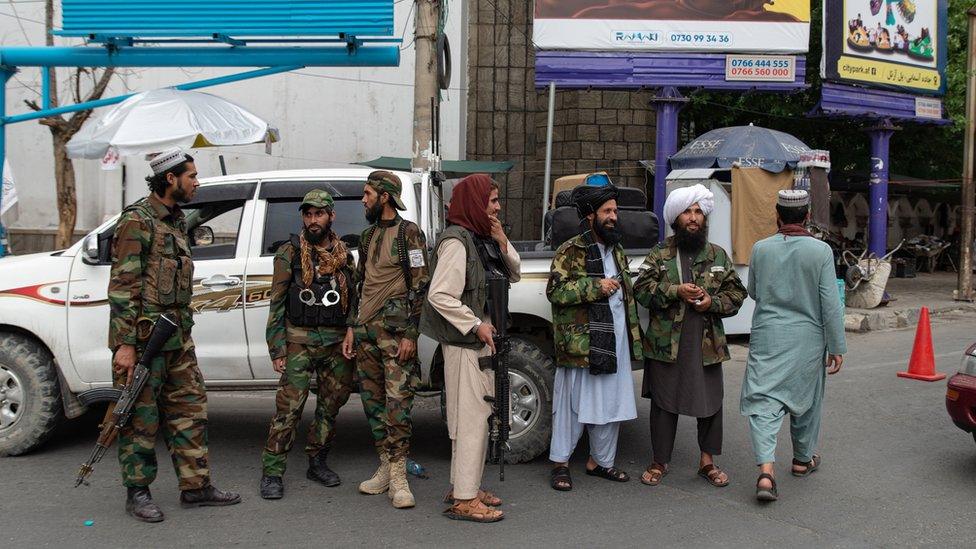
(681, 199)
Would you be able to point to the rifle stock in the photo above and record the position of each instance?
(117, 416)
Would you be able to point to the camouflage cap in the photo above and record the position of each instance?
(317, 198)
(385, 182)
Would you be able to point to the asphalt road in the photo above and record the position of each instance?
(896, 473)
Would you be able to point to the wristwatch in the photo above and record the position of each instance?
(477, 324)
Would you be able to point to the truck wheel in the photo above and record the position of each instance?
(30, 395)
(531, 373)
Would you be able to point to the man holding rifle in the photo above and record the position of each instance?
(152, 274)
(468, 253)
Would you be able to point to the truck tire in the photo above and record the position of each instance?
(30, 395)
(531, 374)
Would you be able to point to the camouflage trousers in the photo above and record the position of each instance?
(334, 377)
(386, 386)
(175, 399)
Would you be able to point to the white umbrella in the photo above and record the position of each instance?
(155, 120)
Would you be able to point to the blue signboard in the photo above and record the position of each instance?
(235, 18)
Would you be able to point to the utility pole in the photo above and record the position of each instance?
(425, 90)
(965, 290)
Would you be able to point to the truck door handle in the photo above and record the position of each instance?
(220, 280)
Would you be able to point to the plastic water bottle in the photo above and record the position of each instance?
(416, 469)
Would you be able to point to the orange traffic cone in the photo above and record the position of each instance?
(922, 364)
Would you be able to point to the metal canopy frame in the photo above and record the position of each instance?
(133, 49)
(667, 73)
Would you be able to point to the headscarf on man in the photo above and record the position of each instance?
(588, 199)
(469, 202)
(681, 199)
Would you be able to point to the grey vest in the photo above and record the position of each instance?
(475, 294)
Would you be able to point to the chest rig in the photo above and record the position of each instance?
(318, 304)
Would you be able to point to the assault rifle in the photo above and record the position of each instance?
(118, 417)
(499, 422)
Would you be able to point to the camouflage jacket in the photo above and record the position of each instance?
(152, 273)
(280, 331)
(657, 289)
(401, 315)
(570, 291)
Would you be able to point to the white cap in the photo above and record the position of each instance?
(793, 198)
(167, 160)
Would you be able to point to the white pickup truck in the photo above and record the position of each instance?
(54, 310)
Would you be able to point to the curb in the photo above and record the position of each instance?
(864, 320)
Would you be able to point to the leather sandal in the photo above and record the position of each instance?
(811, 466)
(609, 473)
(560, 480)
(711, 473)
(486, 497)
(656, 472)
(767, 495)
(473, 510)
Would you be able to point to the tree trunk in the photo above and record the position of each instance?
(64, 176)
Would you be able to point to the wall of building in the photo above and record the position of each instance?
(593, 130)
(325, 116)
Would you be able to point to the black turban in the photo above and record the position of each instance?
(588, 199)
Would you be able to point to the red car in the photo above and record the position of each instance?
(961, 393)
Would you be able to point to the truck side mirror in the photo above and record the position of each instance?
(203, 236)
(89, 249)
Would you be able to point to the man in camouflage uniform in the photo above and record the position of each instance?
(312, 293)
(597, 335)
(689, 286)
(394, 274)
(152, 274)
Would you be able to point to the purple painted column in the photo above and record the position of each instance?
(880, 136)
(667, 103)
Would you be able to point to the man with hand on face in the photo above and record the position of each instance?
(313, 291)
(597, 335)
(394, 275)
(689, 286)
(469, 251)
(152, 274)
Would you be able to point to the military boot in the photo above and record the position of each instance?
(380, 482)
(399, 489)
(140, 505)
(319, 471)
(272, 487)
(208, 496)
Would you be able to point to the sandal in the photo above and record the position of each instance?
(767, 495)
(486, 497)
(656, 472)
(609, 473)
(811, 466)
(711, 473)
(473, 510)
(560, 479)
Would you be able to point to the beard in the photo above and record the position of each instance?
(691, 241)
(316, 238)
(607, 231)
(180, 195)
(374, 213)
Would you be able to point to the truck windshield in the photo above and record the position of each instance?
(283, 220)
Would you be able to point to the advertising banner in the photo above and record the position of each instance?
(891, 44)
(753, 26)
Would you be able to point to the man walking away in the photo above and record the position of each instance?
(797, 338)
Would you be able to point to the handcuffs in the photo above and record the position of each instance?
(307, 296)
